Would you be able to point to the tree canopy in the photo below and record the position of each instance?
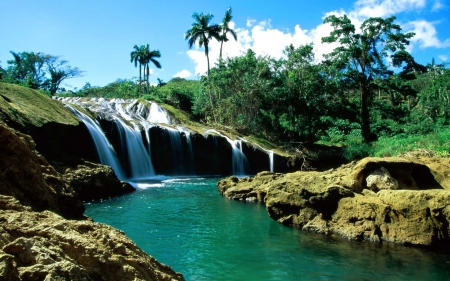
(39, 71)
(361, 56)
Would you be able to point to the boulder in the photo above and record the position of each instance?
(341, 201)
(93, 181)
(381, 179)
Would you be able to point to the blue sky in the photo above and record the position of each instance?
(97, 36)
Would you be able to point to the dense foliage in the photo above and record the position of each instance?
(369, 88)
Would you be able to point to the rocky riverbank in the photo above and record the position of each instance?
(400, 200)
(43, 232)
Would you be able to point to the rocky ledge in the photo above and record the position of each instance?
(92, 180)
(399, 200)
(43, 232)
(45, 246)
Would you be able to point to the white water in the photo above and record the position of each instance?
(139, 159)
(105, 151)
(190, 152)
(157, 115)
(271, 160)
(239, 160)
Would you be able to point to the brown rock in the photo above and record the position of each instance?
(44, 245)
(340, 201)
(27, 176)
(94, 181)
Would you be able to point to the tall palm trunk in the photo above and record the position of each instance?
(140, 76)
(220, 54)
(148, 74)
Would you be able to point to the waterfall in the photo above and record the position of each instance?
(157, 115)
(239, 160)
(139, 159)
(105, 151)
(190, 153)
(177, 151)
(271, 160)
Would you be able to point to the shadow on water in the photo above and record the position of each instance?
(185, 223)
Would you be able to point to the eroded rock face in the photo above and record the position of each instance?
(45, 246)
(27, 176)
(94, 181)
(339, 201)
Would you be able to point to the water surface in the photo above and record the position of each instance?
(188, 225)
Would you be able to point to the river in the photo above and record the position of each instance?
(186, 224)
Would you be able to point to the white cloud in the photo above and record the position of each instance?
(250, 22)
(383, 8)
(426, 35)
(183, 74)
(443, 57)
(263, 39)
(437, 5)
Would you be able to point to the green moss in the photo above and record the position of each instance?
(27, 107)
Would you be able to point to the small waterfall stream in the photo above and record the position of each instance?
(138, 157)
(240, 162)
(271, 160)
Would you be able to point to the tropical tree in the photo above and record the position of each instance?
(27, 68)
(58, 71)
(39, 71)
(225, 28)
(137, 56)
(147, 58)
(160, 82)
(202, 32)
(361, 57)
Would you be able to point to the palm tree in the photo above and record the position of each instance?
(137, 57)
(202, 32)
(224, 29)
(147, 57)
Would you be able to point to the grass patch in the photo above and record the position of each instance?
(437, 142)
(27, 107)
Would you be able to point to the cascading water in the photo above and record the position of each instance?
(139, 159)
(271, 160)
(157, 115)
(190, 153)
(105, 151)
(177, 151)
(146, 142)
(240, 162)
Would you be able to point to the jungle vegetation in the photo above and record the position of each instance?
(369, 95)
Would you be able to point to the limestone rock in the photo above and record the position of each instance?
(27, 176)
(340, 201)
(45, 246)
(94, 181)
(381, 179)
